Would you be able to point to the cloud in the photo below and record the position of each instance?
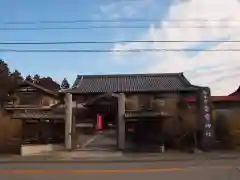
(218, 70)
(124, 9)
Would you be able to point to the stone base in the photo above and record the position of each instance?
(28, 150)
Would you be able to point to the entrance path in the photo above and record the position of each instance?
(105, 140)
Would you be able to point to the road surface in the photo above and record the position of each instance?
(193, 170)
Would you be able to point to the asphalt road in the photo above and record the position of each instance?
(194, 170)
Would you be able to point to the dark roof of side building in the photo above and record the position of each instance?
(237, 92)
(235, 96)
(130, 83)
(41, 88)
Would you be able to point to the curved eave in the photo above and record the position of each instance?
(236, 93)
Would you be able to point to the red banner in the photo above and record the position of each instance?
(99, 122)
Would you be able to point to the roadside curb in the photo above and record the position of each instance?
(115, 160)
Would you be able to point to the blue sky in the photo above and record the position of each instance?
(201, 68)
(60, 65)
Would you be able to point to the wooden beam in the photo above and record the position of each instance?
(68, 121)
(121, 122)
(35, 114)
(26, 107)
(24, 116)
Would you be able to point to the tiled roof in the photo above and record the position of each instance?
(130, 83)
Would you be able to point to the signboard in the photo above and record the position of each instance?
(205, 119)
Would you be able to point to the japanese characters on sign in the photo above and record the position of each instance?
(207, 115)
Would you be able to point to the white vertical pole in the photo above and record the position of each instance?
(121, 122)
(68, 121)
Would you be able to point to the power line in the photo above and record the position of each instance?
(117, 21)
(117, 50)
(114, 27)
(120, 41)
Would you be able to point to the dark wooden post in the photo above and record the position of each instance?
(205, 119)
(121, 122)
(68, 121)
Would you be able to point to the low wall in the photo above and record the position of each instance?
(228, 127)
(10, 134)
(28, 150)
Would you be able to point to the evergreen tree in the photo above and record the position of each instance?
(65, 84)
(4, 81)
(8, 81)
(16, 78)
(36, 78)
(29, 78)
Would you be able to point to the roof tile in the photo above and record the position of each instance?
(130, 83)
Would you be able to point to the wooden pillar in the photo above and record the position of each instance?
(205, 119)
(68, 121)
(121, 122)
(74, 140)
